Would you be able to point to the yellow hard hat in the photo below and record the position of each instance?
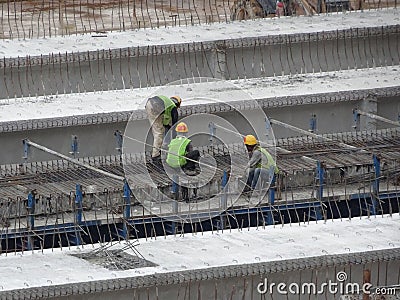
(177, 99)
(250, 140)
(181, 127)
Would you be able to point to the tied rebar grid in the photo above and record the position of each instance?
(349, 173)
(47, 18)
(148, 66)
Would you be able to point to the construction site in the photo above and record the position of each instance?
(85, 214)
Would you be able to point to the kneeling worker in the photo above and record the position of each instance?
(261, 163)
(181, 153)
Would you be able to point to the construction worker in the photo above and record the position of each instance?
(180, 152)
(261, 163)
(162, 113)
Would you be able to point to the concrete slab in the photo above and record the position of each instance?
(270, 90)
(191, 252)
(201, 33)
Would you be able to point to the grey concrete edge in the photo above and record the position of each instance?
(124, 116)
(213, 273)
(105, 54)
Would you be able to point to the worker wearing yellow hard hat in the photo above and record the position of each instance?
(180, 151)
(261, 164)
(162, 112)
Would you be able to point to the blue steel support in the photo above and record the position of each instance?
(26, 150)
(74, 146)
(224, 199)
(212, 128)
(356, 119)
(31, 218)
(375, 187)
(127, 209)
(119, 140)
(316, 212)
(313, 123)
(78, 212)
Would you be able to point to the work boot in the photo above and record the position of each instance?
(156, 161)
(155, 165)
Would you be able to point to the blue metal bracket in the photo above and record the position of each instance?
(78, 213)
(356, 119)
(269, 218)
(127, 209)
(31, 218)
(313, 123)
(78, 203)
(224, 198)
(119, 139)
(213, 130)
(31, 209)
(375, 184)
(74, 146)
(26, 150)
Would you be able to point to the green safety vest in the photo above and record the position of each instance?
(177, 151)
(268, 163)
(168, 106)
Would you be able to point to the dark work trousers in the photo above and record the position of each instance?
(193, 155)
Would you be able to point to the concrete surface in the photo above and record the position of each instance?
(216, 265)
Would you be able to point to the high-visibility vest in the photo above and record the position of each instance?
(268, 162)
(168, 106)
(177, 151)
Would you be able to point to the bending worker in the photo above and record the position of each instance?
(181, 153)
(162, 113)
(261, 164)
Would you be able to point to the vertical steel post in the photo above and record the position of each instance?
(26, 150)
(175, 193)
(127, 209)
(375, 187)
(269, 218)
(224, 198)
(356, 119)
(74, 146)
(119, 140)
(313, 123)
(213, 129)
(78, 212)
(31, 217)
(320, 178)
